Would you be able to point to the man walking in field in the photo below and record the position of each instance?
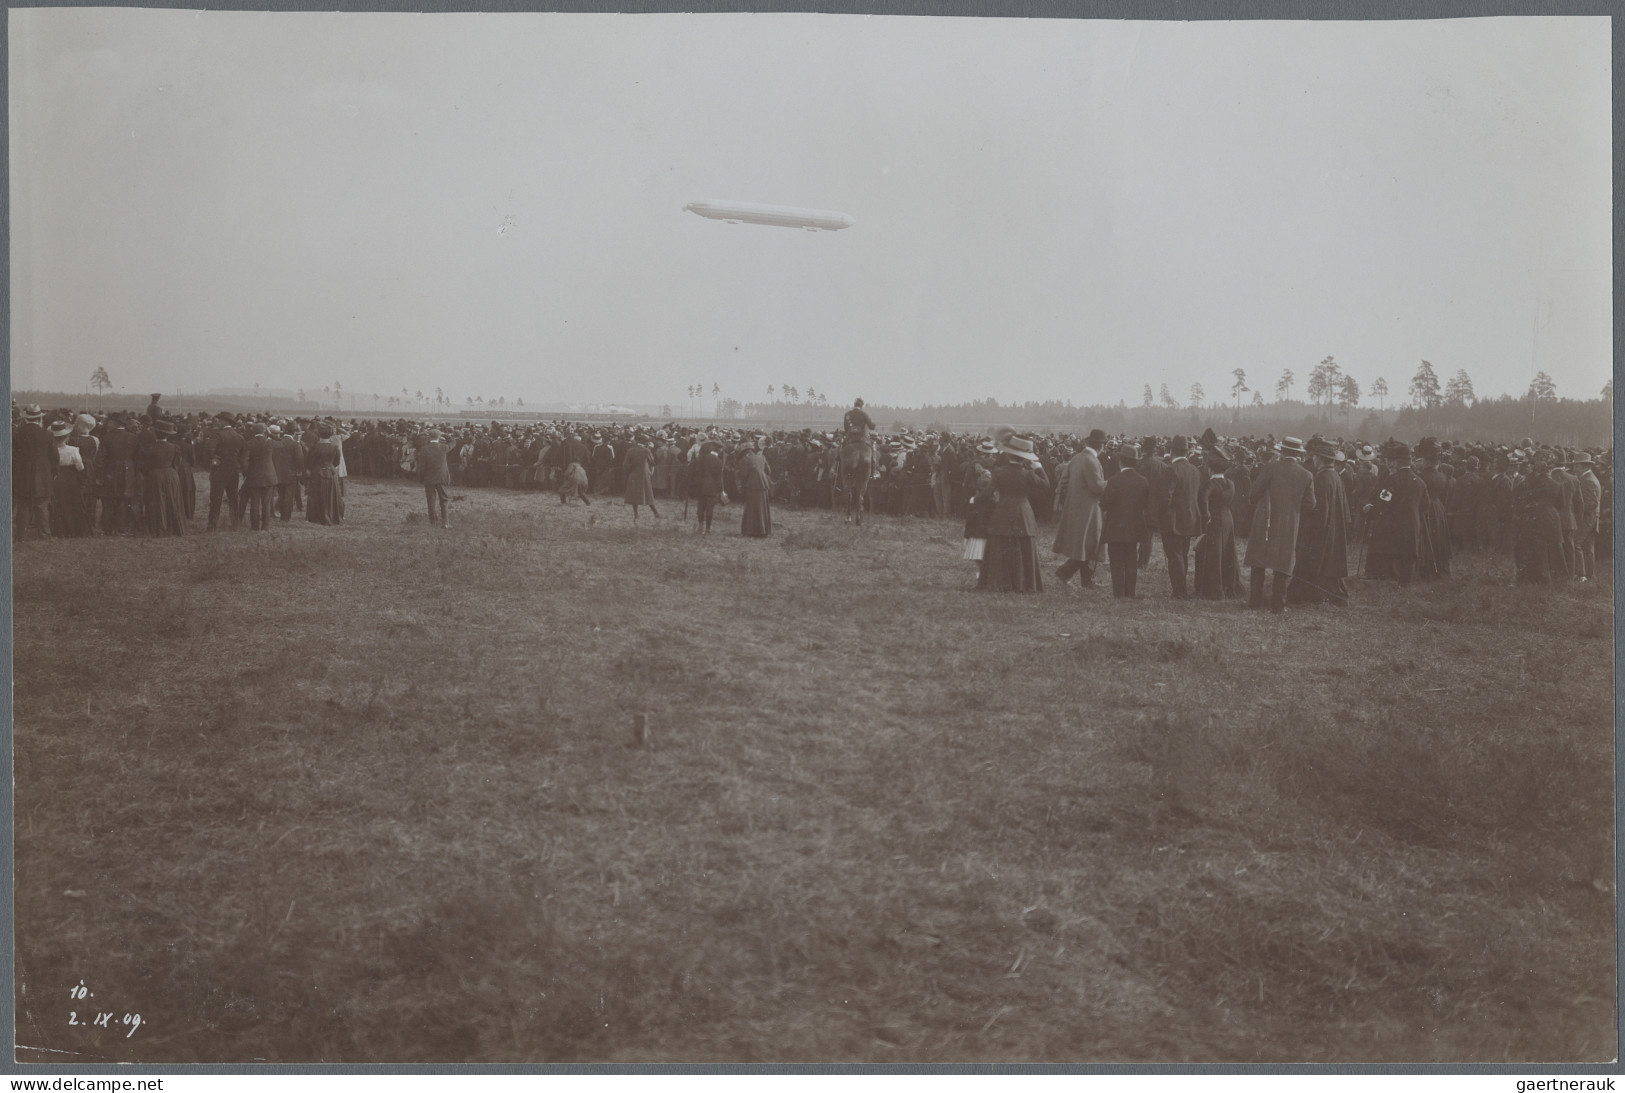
(436, 476)
(1288, 490)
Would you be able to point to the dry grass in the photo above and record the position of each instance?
(370, 793)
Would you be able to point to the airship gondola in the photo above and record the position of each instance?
(777, 216)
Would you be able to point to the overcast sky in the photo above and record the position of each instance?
(493, 204)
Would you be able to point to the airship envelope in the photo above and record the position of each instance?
(778, 216)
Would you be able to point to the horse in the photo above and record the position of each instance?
(857, 466)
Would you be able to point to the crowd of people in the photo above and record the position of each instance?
(1310, 513)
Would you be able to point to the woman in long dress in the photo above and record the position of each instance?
(323, 503)
(1012, 558)
(1218, 574)
(639, 465)
(68, 518)
(755, 479)
(159, 460)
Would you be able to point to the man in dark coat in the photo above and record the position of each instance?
(288, 456)
(1288, 491)
(1539, 547)
(1177, 510)
(225, 465)
(1435, 529)
(259, 476)
(705, 485)
(118, 485)
(1321, 572)
(1125, 507)
(1396, 519)
(603, 466)
(33, 471)
(1466, 495)
(436, 477)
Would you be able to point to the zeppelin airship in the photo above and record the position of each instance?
(778, 216)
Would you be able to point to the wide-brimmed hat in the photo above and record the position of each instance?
(32, 412)
(1218, 459)
(987, 447)
(61, 428)
(1582, 458)
(1291, 445)
(1020, 447)
(1427, 448)
(1319, 445)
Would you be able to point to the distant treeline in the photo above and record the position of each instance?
(175, 404)
(1573, 422)
(1570, 422)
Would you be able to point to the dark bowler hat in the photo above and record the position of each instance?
(1179, 446)
(1096, 438)
(1319, 445)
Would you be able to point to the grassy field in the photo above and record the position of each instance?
(370, 793)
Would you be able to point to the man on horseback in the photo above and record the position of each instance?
(859, 429)
(857, 423)
(857, 457)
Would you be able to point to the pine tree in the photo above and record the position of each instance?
(1348, 393)
(1379, 391)
(1240, 387)
(1542, 388)
(1283, 386)
(1197, 395)
(1150, 399)
(1167, 399)
(1425, 388)
(1459, 391)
